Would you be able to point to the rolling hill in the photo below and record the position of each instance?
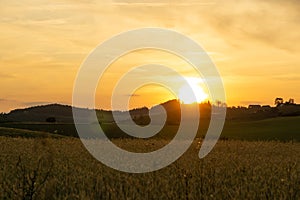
(244, 124)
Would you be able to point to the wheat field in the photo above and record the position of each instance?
(62, 169)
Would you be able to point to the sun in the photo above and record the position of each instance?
(184, 92)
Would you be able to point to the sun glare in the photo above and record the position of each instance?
(194, 84)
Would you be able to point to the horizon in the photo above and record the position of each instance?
(148, 107)
(34, 104)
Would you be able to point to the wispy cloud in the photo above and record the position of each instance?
(287, 78)
(159, 3)
(270, 22)
(132, 95)
(5, 75)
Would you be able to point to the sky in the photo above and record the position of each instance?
(254, 45)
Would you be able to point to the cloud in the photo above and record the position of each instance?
(273, 23)
(9, 100)
(132, 95)
(287, 78)
(4, 75)
(21, 103)
(159, 3)
(238, 23)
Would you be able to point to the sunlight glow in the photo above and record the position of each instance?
(194, 84)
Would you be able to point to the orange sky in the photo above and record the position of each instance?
(254, 44)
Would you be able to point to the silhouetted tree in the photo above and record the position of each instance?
(219, 103)
(291, 101)
(278, 101)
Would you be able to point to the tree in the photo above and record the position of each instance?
(278, 101)
(219, 103)
(291, 101)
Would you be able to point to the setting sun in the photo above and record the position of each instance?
(194, 84)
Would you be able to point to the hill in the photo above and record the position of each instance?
(241, 123)
(61, 113)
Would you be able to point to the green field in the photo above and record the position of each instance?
(280, 128)
(63, 169)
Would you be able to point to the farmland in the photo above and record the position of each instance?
(280, 128)
(52, 168)
(254, 159)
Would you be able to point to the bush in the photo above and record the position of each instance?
(51, 119)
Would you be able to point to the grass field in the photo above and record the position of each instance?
(63, 169)
(281, 128)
